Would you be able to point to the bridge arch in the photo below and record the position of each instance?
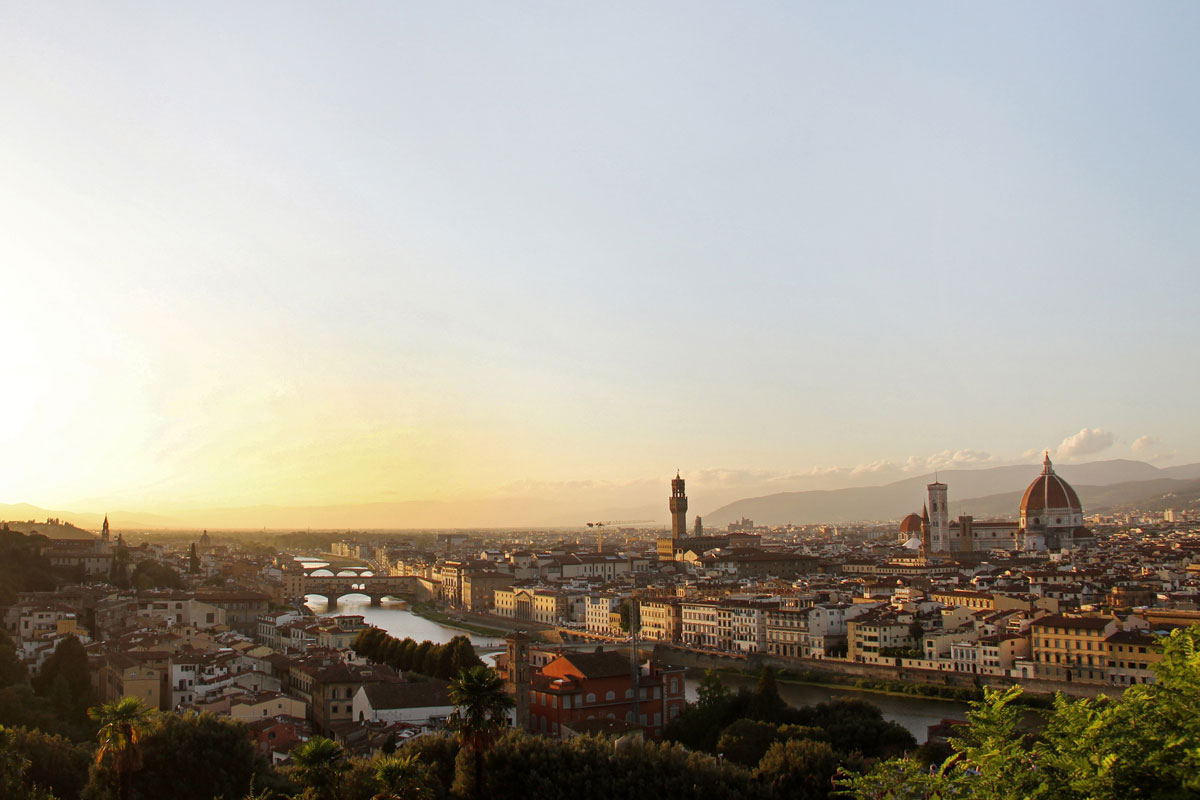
(375, 587)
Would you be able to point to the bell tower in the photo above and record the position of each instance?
(519, 676)
(678, 505)
(939, 517)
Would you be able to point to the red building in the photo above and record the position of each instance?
(598, 685)
(274, 737)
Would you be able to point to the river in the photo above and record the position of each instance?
(914, 713)
(394, 617)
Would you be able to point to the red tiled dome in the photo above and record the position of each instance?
(911, 524)
(1049, 492)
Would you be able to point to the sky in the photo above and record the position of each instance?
(304, 253)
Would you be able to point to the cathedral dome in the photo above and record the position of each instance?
(1050, 500)
(911, 524)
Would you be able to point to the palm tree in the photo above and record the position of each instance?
(121, 725)
(319, 763)
(481, 707)
(402, 778)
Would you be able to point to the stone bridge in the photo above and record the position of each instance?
(377, 587)
(357, 570)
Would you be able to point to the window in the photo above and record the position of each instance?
(610, 695)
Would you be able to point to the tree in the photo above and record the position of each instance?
(12, 764)
(19, 706)
(12, 669)
(437, 752)
(1143, 745)
(150, 574)
(418, 659)
(445, 662)
(521, 766)
(481, 707)
(193, 561)
(408, 653)
(429, 666)
(799, 768)
(59, 765)
(22, 566)
(746, 741)
(624, 613)
(712, 690)
(400, 778)
(64, 678)
(855, 725)
(767, 705)
(122, 723)
(319, 764)
(196, 757)
(464, 655)
(15, 783)
(368, 642)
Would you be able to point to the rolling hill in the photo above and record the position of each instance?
(987, 493)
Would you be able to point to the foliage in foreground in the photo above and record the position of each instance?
(721, 721)
(1145, 744)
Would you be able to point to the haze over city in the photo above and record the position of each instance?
(285, 255)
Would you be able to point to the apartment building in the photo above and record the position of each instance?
(1130, 654)
(699, 626)
(660, 620)
(742, 625)
(1072, 648)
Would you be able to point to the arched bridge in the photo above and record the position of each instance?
(309, 569)
(376, 587)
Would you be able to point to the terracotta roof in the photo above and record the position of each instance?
(911, 524)
(1049, 491)
(408, 695)
(604, 664)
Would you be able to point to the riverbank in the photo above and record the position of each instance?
(889, 688)
(431, 613)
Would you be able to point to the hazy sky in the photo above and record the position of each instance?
(315, 252)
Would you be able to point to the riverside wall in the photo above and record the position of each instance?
(846, 672)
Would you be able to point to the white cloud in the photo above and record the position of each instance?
(949, 459)
(1084, 443)
(1143, 443)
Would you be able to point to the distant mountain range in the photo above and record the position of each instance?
(984, 494)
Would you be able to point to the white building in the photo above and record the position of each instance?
(425, 703)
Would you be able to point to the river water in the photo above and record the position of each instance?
(394, 617)
(914, 713)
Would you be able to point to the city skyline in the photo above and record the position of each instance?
(287, 255)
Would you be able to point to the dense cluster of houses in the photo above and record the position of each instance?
(235, 643)
(1088, 614)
